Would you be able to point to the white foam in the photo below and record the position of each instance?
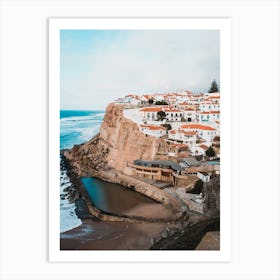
(68, 217)
(77, 118)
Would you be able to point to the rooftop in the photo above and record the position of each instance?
(166, 164)
(197, 126)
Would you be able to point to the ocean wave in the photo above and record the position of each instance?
(77, 118)
(99, 114)
(68, 217)
(74, 130)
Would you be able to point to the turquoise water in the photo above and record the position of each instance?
(77, 127)
(112, 198)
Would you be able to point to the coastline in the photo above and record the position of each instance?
(106, 156)
(95, 234)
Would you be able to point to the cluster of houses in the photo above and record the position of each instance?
(182, 117)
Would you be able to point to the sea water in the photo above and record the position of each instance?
(76, 127)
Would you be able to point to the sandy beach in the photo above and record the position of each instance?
(93, 235)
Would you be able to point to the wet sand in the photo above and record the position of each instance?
(93, 235)
(99, 235)
(155, 210)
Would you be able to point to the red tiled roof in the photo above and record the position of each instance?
(190, 133)
(204, 147)
(209, 113)
(151, 109)
(172, 110)
(152, 127)
(197, 126)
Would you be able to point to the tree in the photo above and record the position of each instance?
(161, 115)
(197, 189)
(151, 101)
(216, 138)
(167, 126)
(210, 152)
(214, 87)
(162, 102)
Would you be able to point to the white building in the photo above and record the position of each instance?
(205, 177)
(150, 113)
(200, 149)
(133, 99)
(211, 116)
(204, 131)
(173, 114)
(207, 106)
(190, 115)
(187, 137)
(153, 130)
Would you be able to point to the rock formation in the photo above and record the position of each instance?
(119, 142)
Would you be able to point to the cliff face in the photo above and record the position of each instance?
(119, 141)
(126, 141)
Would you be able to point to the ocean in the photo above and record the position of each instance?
(76, 127)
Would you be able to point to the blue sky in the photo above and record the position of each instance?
(98, 66)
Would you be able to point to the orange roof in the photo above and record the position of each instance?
(152, 127)
(204, 147)
(173, 110)
(148, 96)
(189, 133)
(197, 126)
(214, 97)
(209, 113)
(172, 132)
(151, 109)
(133, 96)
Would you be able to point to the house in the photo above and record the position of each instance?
(153, 130)
(211, 116)
(133, 99)
(173, 114)
(207, 106)
(150, 113)
(200, 149)
(204, 131)
(204, 176)
(190, 114)
(187, 137)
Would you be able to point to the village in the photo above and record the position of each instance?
(189, 123)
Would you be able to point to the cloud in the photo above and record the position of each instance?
(138, 62)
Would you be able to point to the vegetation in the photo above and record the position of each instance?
(161, 115)
(167, 126)
(199, 157)
(151, 101)
(214, 87)
(210, 152)
(198, 188)
(162, 102)
(216, 138)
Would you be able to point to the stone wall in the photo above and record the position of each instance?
(185, 181)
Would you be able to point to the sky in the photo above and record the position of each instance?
(98, 66)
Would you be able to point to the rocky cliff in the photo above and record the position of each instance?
(119, 141)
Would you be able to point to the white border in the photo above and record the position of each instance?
(222, 24)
